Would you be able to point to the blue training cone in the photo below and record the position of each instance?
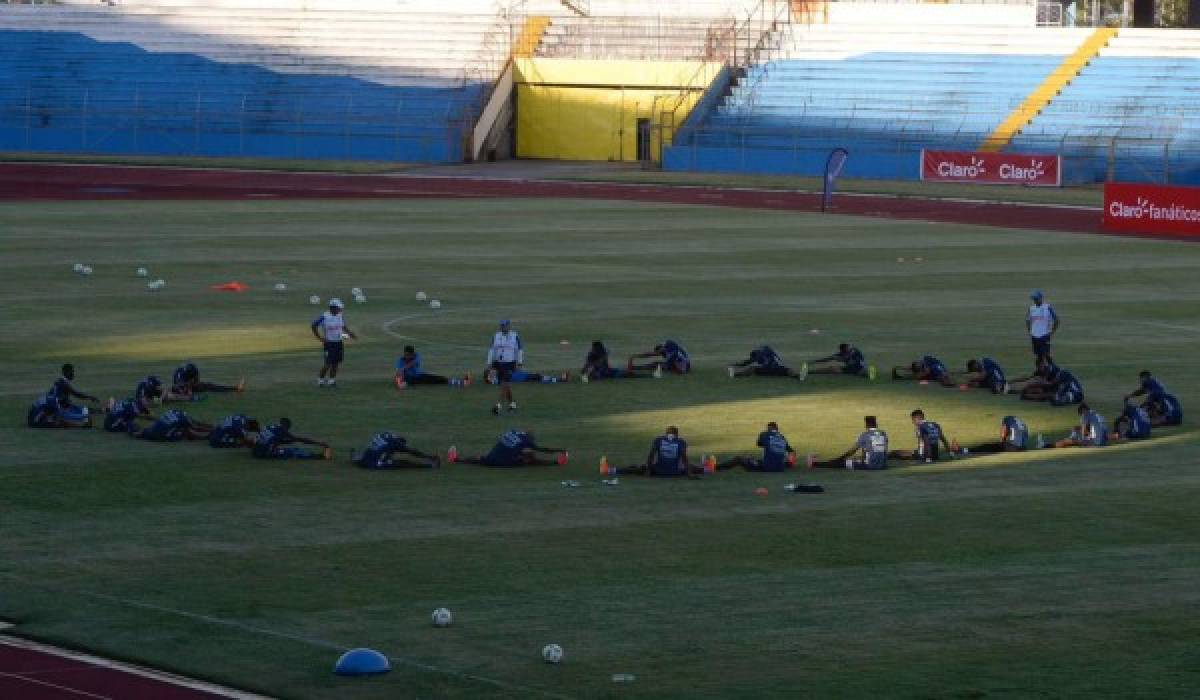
(362, 662)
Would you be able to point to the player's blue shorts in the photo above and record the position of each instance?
(758, 465)
(155, 434)
(115, 423)
(1041, 346)
(504, 371)
(335, 352)
(855, 368)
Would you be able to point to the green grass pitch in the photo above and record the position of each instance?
(1052, 574)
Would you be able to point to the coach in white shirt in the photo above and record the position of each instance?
(1041, 322)
(331, 329)
(505, 356)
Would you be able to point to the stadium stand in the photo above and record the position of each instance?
(273, 78)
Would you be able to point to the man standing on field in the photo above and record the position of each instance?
(331, 330)
(504, 357)
(1042, 323)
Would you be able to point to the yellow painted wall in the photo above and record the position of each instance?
(588, 110)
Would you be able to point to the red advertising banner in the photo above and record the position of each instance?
(1152, 209)
(991, 168)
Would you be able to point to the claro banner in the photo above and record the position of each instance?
(1152, 209)
(991, 168)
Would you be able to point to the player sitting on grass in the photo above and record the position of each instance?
(515, 448)
(409, 371)
(847, 360)
(930, 437)
(765, 362)
(173, 426)
(272, 443)
(1014, 437)
(1059, 387)
(872, 446)
(186, 385)
(667, 458)
(777, 454)
(45, 413)
(1133, 424)
(234, 431)
(148, 391)
(672, 358)
(1092, 432)
(122, 416)
(1045, 374)
(985, 373)
(926, 369)
(1163, 407)
(596, 366)
(380, 454)
(70, 415)
(520, 375)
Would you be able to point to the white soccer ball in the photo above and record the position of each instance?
(356, 292)
(442, 617)
(435, 304)
(314, 300)
(280, 287)
(87, 269)
(552, 653)
(152, 286)
(422, 296)
(360, 299)
(79, 268)
(142, 272)
(160, 282)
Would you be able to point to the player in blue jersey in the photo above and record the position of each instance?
(1014, 437)
(148, 391)
(409, 371)
(172, 426)
(985, 373)
(1092, 432)
(596, 365)
(381, 453)
(671, 358)
(1133, 424)
(186, 385)
(62, 391)
(1165, 409)
(926, 369)
(871, 449)
(515, 448)
(1148, 386)
(765, 362)
(668, 457)
(777, 454)
(46, 413)
(237, 430)
(847, 360)
(275, 440)
(122, 416)
(930, 439)
(1042, 381)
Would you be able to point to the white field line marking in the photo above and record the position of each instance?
(310, 641)
(47, 684)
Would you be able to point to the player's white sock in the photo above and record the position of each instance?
(320, 381)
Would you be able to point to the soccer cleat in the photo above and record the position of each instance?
(561, 459)
(452, 454)
(241, 385)
(512, 406)
(803, 373)
(850, 464)
(1041, 442)
(320, 381)
(810, 461)
(1006, 389)
(872, 373)
(584, 378)
(731, 372)
(658, 372)
(332, 384)
(327, 453)
(496, 410)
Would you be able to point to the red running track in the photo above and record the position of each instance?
(19, 181)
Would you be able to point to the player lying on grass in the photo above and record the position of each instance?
(45, 413)
(147, 392)
(926, 369)
(381, 451)
(515, 448)
(847, 360)
(409, 371)
(777, 454)
(984, 373)
(1133, 424)
(520, 375)
(272, 442)
(596, 365)
(667, 458)
(671, 358)
(871, 448)
(1164, 408)
(237, 430)
(1014, 437)
(62, 391)
(1092, 432)
(122, 416)
(186, 385)
(172, 426)
(1058, 386)
(930, 438)
(765, 362)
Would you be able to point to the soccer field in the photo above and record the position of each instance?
(1054, 573)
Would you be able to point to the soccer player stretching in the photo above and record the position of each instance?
(515, 448)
